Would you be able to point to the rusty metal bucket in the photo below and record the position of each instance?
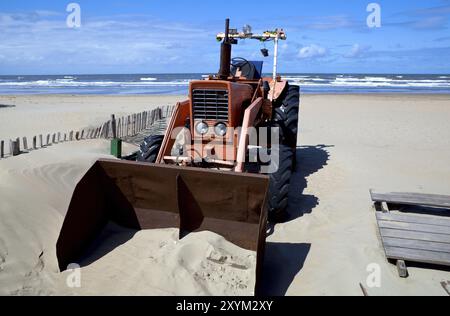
(150, 196)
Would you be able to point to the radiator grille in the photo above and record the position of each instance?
(210, 104)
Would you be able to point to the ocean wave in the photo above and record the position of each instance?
(70, 83)
(368, 82)
(163, 83)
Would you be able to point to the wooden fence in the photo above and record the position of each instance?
(123, 127)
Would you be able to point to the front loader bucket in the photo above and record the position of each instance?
(150, 196)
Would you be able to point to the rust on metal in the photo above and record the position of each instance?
(150, 196)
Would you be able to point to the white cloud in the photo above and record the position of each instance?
(41, 42)
(312, 51)
(357, 51)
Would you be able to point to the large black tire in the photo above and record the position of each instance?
(279, 183)
(285, 115)
(149, 149)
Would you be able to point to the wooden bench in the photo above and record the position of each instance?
(422, 238)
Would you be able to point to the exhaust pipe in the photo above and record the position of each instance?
(225, 54)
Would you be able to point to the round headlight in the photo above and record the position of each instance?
(220, 129)
(202, 128)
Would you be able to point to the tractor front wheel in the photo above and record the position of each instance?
(149, 149)
(285, 115)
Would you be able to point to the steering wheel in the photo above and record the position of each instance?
(239, 62)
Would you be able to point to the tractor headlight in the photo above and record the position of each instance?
(202, 128)
(220, 129)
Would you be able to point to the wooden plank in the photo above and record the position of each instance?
(424, 228)
(53, 138)
(446, 286)
(402, 269)
(416, 244)
(395, 233)
(102, 128)
(34, 142)
(108, 129)
(2, 149)
(15, 147)
(138, 122)
(415, 255)
(71, 136)
(59, 137)
(412, 218)
(41, 140)
(412, 199)
(113, 126)
(25, 143)
(363, 289)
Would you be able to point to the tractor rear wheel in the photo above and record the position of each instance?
(282, 164)
(149, 149)
(285, 115)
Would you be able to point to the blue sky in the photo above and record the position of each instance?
(155, 36)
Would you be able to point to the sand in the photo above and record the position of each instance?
(350, 144)
(42, 114)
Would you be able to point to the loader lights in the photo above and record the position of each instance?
(202, 128)
(220, 129)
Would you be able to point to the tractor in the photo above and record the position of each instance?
(208, 171)
(219, 113)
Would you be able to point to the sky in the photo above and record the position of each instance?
(178, 36)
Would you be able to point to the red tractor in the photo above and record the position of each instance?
(219, 113)
(212, 181)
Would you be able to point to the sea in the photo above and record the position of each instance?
(177, 84)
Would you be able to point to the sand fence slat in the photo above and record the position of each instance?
(113, 126)
(14, 147)
(25, 143)
(2, 149)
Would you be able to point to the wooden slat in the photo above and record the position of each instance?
(424, 228)
(416, 244)
(412, 199)
(412, 218)
(415, 255)
(405, 234)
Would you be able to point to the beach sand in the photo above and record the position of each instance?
(349, 144)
